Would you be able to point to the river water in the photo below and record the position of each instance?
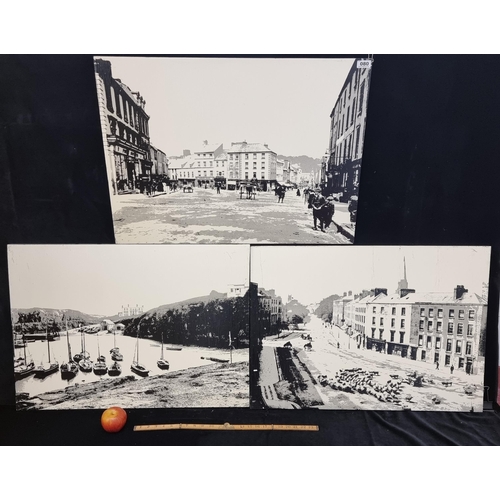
(149, 353)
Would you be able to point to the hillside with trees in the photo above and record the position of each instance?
(203, 321)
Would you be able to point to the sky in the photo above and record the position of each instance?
(312, 273)
(285, 103)
(99, 279)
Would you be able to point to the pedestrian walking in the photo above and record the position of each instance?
(329, 212)
(451, 369)
(298, 192)
(218, 188)
(437, 365)
(281, 193)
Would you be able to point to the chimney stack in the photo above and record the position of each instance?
(405, 291)
(349, 293)
(378, 291)
(459, 291)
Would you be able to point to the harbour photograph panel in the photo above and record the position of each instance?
(141, 326)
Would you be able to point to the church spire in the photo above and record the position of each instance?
(403, 283)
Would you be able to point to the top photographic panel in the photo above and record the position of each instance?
(211, 150)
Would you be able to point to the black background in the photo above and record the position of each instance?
(430, 176)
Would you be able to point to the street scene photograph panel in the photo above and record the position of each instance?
(141, 326)
(369, 328)
(233, 150)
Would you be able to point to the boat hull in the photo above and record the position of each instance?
(24, 371)
(140, 370)
(100, 369)
(42, 372)
(69, 372)
(85, 365)
(162, 364)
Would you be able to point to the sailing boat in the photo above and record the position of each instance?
(85, 363)
(100, 367)
(22, 368)
(136, 367)
(162, 363)
(115, 351)
(51, 367)
(83, 354)
(69, 369)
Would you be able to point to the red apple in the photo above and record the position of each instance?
(113, 419)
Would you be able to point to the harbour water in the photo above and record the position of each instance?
(149, 354)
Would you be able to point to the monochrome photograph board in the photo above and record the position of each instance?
(233, 149)
(369, 328)
(138, 326)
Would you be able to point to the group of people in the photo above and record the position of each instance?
(323, 209)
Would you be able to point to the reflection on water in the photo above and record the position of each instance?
(149, 353)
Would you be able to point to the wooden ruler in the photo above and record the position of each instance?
(226, 427)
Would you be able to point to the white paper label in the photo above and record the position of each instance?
(365, 64)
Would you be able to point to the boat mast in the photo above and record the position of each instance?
(67, 339)
(162, 345)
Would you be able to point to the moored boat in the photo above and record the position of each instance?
(100, 367)
(162, 363)
(136, 367)
(115, 369)
(69, 370)
(44, 370)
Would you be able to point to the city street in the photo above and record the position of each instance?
(333, 350)
(204, 216)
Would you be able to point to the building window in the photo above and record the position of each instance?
(430, 326)
(263, 164)
(422, 311)
(447, 360)
(451, 313)
(438, 342)
(246, 164)
(255, 175)
(449, 344)
(420, 340)
(382, 310)
(472, 314)
(440, 313)
(361, 97)
(246, 156)
(422, 356)
(402, 323)
(458, 347)
(439, 326)
(450, 327)
(373, 333)
(211, 172)
(380, 334)
(401, 337)
(373, 321)
(470, 330)
(429, 342)
(460, 314)
(246, 175)
(403, 311)
(393, 311)
(254, 164)
(263, 176)
(431, 313)
(468, 348)
(393, 322)
(374, 309)
(460, 329)
(392, 336)
(460, 362)
(381, 321)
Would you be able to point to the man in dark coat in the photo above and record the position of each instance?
(318, 204)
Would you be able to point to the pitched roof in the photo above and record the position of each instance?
(207, 148)
(431, 298)
(249, 147)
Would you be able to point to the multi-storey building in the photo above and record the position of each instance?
(252, 161)
(271, 311)
(238, 290)
(436, 327)
(159, 162)
(341, 169)
(207, 163)
(130, 311)
(125, 130)
(280, 165)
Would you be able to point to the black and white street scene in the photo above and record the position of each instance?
(373, 328)
(233, 150)
(139, 326)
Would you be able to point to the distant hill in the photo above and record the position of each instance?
(37, 319)
(307, 164)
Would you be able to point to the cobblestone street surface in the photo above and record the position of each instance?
(204, 216)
